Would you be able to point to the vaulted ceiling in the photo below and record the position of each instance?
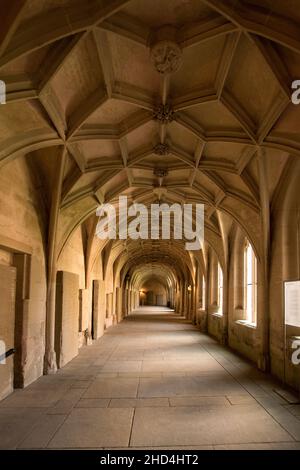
(83, 78)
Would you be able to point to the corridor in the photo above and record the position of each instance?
(152, 381)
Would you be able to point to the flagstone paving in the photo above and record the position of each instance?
(152, 382)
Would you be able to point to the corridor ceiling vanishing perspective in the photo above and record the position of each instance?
(161, 101)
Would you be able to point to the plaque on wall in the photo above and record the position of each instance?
(292, 303)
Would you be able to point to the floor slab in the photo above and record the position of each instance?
(176, 426)
(113, 388)
(152, 382)
(94, 428)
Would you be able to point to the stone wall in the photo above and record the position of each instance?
(67, 317)
(7, 329)
(285, 266)
(158, 291)
(72, 257)
(21, 231)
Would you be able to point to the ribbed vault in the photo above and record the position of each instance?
(80, 82)
(95, 119)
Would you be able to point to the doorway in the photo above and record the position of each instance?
(160, 300)
(14, 294)
(150, 298)
(8, 275)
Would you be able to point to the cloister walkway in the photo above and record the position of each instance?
(153, 381)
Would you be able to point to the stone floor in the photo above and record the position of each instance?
(153, 381)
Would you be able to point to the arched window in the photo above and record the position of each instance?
(220, 289)
(250, 284)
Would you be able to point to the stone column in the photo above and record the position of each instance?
(134, 299)
(119, 304)
(225, 321)
(50, 365)
(264, 357)
(189, 295)
(180, 300)
(125, 302)
(67, 316)
(84, 316)
(99, 309)
(177, 302)
(184, 300)
(129, 301)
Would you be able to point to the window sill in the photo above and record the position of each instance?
(247, 324)
(217, 314)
